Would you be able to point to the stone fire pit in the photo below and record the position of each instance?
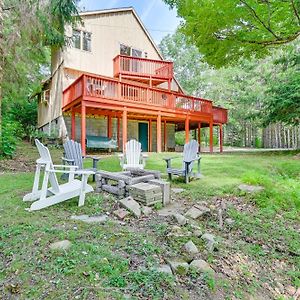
(119, 183)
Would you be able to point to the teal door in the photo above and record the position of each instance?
(143, 136)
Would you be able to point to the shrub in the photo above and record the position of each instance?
(11, 133)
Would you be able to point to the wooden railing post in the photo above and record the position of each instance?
(221, 138)
(150, 135)
(199, 136)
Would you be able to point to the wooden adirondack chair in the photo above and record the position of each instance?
(73, 156)
(190, 155)
(56, 193)
(133, 158)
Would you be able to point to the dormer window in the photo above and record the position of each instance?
(82, 40)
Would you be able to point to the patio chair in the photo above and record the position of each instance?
(190, 155)
(73, 156)
(133, 158)
(56, 193)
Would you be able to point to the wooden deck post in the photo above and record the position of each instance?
(73, 125)
(199, 136)
(211, 137)
(118, 132)
(158, 133)
(165, 136)
(124, 128)
(150, 135)
(83, 128)
(187, 130)
(221, 138)
(109, 126)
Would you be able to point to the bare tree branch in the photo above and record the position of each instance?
(260, 20)
(295, 11)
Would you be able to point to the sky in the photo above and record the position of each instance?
(155, 14)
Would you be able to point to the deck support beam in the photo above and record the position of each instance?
(158, 133)
(187, 130)
(118, 132)
(165, 136)
(124, 128)
(211, 137)
(150, 136)
(221, 138)
(73, 125)
(109, 126)
(199, 136)
(83, 128)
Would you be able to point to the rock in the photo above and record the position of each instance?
(80, 218)
(291, 290)
(175, 231)
(131, 205)
(170, 209)
(197, 233)
(197, 211)
(61, 245)
(120, 213)
(177, 190)
(210, 241)
(190, 248)
(179, 266)
(165, 269)
(201, 266)
(90, 219)
(251, 188)
(146, 210)
(181, 220)
(96, 219)
(229, 221)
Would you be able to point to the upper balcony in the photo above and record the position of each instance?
(220, 115)
(143, 69)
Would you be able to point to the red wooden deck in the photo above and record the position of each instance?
(133, 93)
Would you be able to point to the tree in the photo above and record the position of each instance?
(224, 31)
(28, 30)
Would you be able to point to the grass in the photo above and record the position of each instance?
(114, 261)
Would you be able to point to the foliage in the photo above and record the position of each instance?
(224, 31)
(28, 30)
(12, 132)
(254, 91)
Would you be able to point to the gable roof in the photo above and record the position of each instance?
(124, 9)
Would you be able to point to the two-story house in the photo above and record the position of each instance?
(112, 81)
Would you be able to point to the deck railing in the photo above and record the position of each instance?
(102, 87)
(142, 67)
(220, 115)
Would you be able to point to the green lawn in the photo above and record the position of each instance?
(258, 257)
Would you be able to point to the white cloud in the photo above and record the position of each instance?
(148, 9)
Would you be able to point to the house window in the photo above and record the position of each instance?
(76, 38)
(125, 50)
(82, 40)
(86, 41)
(136, 53)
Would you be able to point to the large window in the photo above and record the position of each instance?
(125, 50)
(86, 41)
(76, 38)
(82, 40)
(129, 51)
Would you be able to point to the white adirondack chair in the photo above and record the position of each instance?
(56, 193)
(133, 158)
(190, 155)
